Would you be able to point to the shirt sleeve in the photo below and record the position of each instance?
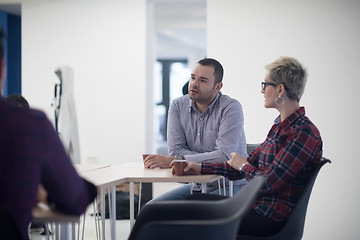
(221, 168)
(66, 190)
(230, 133)
(300, 148)
(176, 134)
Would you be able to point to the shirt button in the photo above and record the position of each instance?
(198, 134)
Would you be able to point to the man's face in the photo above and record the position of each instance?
(202, 87)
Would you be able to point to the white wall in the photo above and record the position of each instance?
(104, 41)
(325, 36)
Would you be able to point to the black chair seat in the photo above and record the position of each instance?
(196, 219)
(294, 228)
(8, 226)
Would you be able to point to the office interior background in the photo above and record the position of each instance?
(112, 45)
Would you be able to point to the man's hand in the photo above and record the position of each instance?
(237, 161)
(158, 161)
(41, 195)
(192, 168)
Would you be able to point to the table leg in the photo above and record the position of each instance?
(219, 186)
(47, 231)
(131, 205)
(139, 206)
(203, 187)
(64, 231)
(73, 230)
(83, 228)
(57, 229)
(102, 205)
(113, 209)
(97, 225)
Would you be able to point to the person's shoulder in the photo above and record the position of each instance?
(24, 120)
(37, 114)
(305, 125)
(226, 100)
(15, 112)
(183, 100)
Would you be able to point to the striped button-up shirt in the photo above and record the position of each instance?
(209, 136)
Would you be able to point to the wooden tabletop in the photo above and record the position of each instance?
(135, 172)
(80, 168)
(42, 213)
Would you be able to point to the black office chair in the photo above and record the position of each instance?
(9, 228)
(251, 147)
(294, 228)
(196, 219)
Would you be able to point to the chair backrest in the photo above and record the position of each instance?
(251, 147)
(215, 219)
(294, 228)
(8, 226)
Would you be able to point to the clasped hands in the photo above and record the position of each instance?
(157, 160)
(235, 162)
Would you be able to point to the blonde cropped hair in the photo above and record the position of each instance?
(289, 72)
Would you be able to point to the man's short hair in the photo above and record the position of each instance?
(218, 68)
(18, 100)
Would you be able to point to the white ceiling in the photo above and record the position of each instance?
(180, 26)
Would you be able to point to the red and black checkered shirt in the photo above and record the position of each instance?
(288, 158)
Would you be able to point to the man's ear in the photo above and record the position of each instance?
(218, 86)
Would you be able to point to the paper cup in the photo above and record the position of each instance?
(179, 166)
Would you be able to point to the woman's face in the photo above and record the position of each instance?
(269, 92)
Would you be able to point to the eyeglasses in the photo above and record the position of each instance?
(264, 84)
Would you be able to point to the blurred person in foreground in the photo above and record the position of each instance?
(34, 165)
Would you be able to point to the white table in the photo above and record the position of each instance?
(104, 178)
(144, 175)
(81, 168)
(131, 172)
(43, 214)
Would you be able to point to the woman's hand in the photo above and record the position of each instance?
(237, 161)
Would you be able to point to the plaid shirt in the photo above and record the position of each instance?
(31, 153)
(288, 158)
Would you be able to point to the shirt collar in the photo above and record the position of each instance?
(290, 119)
(210, 107)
